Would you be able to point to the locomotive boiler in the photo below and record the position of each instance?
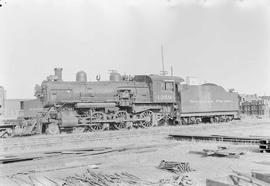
(121, 102)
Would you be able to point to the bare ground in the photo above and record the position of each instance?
(143, 153)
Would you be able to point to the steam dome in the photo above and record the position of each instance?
(115, 76)
(81, 76)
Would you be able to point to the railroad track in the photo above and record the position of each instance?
(40, 142)
(44, 141)
(218, 138)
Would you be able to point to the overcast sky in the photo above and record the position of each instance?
(226, 43)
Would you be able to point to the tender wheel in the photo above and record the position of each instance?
(120, 118)
(148, 119)
(198, 121)
(216, 119)
(222, 119)
(53, 129)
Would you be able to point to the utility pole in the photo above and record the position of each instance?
(163, 72)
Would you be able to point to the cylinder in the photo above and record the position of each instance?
(81, 76)
(58, 73)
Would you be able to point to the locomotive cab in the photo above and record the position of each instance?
(164, 89)
(164, 94)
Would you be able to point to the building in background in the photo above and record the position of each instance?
(249, 97)
(30, 108)
(255, 105)
(267, 98)
(12, 108)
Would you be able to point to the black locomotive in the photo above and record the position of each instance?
(121, 102)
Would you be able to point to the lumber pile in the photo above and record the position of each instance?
(99, 179)
(179, 180)
(90, 178)
(175, 167)
(264, 145)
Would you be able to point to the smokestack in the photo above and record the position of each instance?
(58, 73)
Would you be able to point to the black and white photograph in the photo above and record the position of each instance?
(134, 92)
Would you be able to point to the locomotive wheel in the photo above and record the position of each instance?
(97, 116)
(119, 118)
(96, 127)
(147, 116)
(94, 117)
(53, 129)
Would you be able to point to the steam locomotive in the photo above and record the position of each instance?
(121, 102)
(125, 101)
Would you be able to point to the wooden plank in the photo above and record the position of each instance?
(216, 183)
(249, 179)
(30, 156)
(264, 162)
(261, 176)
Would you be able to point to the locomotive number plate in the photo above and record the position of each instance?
(164, 97)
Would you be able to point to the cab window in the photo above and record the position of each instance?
(169, 86)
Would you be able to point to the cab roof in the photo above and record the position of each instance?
(154, 77)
